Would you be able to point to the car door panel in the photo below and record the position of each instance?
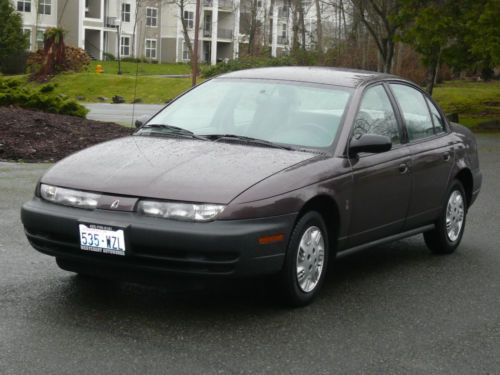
(381, 194)
(431, 162)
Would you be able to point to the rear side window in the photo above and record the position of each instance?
(414, 110)
(376, 115)
(438, 120)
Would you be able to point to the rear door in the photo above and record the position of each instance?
(381, 182)
(431, 153)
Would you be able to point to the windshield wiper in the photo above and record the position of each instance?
(174, 130)
(250, 140)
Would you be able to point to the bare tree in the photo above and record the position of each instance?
(319, 27)
(380, 19)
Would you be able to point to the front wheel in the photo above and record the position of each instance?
(306, 260)
(446, 236)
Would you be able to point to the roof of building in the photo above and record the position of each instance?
(324, 75)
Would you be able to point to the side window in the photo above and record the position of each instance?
(438, 120)
(414, 110)
(376, 115)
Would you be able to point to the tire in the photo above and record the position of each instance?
(440, 240)
(295, 290)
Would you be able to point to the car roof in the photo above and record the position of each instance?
(323, 75)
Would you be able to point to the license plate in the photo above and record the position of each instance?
(102, 239)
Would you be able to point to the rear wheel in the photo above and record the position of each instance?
(306, 260)
(446, 236)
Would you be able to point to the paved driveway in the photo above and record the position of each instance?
(394, 309)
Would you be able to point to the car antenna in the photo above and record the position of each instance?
(135, 92)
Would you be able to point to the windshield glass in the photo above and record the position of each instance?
(290, 113)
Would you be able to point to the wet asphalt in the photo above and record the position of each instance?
(394, 309)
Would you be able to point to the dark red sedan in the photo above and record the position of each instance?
(265, 171)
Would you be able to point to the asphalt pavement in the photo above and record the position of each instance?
(393, 309)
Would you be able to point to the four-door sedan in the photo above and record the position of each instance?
(264, 171)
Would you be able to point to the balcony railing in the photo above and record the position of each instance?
(222, 3)
(221, 33)
(282, 40)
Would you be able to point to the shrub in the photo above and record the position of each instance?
(13, 41)
(108, 56)
(247, 63)
(12, 93)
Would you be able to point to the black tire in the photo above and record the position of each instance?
(290, 288)
(437, 240)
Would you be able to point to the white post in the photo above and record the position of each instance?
(274, 44)
(236, 32)
(215, 26)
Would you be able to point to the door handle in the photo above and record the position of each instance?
(446, 156)
(403, 168)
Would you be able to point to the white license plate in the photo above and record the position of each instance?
(102, 239)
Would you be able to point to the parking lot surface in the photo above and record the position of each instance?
(393, 309)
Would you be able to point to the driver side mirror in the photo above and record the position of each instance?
(372, 143)
(141, 120)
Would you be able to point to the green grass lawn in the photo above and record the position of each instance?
(475, 102)
(90, 86)
(130, 68)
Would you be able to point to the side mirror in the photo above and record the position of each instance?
(372, 143)
(141, 120)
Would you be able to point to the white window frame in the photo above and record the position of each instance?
(45, 7)
(189, 19)
(39, 41)
(123, 46)
(185, 52)
(150, 18)
(28, 31)
(153, 52)
(24, 4)
(125, 14)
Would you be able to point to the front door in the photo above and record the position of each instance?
(381, 182)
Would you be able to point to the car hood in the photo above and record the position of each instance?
(171, 168)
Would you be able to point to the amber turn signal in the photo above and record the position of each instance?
(265, 240)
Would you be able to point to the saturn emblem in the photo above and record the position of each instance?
(115, 204)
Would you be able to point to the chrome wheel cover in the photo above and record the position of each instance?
(310, 259)
(455, 213)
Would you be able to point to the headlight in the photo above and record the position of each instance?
(68, 197)
(180, 211)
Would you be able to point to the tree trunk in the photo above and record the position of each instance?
(185, 32)
(319, 27)
(432, 71)
(302, 24)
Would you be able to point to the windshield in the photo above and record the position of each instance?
(291, 113)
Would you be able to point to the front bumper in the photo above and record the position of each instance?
(159, 246)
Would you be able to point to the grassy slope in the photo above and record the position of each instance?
(92, 85)
(475, 102)
(111, 67)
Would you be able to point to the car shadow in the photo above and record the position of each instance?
(95, 301)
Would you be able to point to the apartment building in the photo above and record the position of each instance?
(218, 33)
(38, 16)
(153, 29)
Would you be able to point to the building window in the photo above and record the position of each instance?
(125, 46)
(27, 33)
(24, 6)
(189, 18)
(151, 48)
(283, 30)
(44, 7)
(185, 52)
(40, 37)
(125, 12)
(151, 17)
